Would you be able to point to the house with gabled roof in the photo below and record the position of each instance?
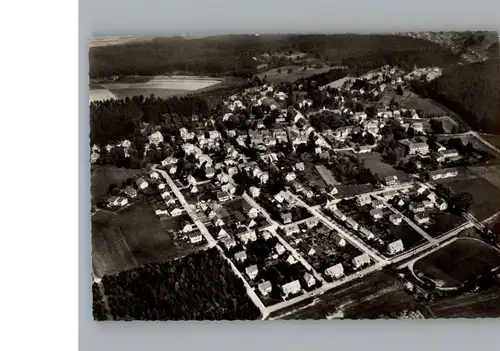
(240, 256)
(396, 218)
(252, 271)
(265, 288)
(335, 271)
(117, 201)
(290, 288)
(361, 260)
(395, 247)
(141, 183)
(291, 229)
(309, 280)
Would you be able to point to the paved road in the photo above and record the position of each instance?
(325, 288)
(213, 243)
(407, 220)
(283, 242)
(347, 236)
(204, 231)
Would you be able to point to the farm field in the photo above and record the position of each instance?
(484, 304)
(103, 176)
(486, 196)
(273, 76)
(339, 82)
(379, 295)
(410, 100)
(452, 265)
(443, 222)
(133, 237)
(490, 173)
(160, 86)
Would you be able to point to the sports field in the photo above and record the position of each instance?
(452, 265)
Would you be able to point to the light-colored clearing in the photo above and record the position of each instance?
(165, 82)
(100, 95)
(339, 82)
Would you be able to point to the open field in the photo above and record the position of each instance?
(379, 295)
(160, 86)
(373, 160)
(484, 304)
(339, 82)
(273, 76)
(448, 123)
(486, 196)
(410, 100)
(103, 176)
(476, 143)
(443, 222)
(118, 40)
(133, 237)
(452, 265)
(490, 173)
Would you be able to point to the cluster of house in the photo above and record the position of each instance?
(419, 208)
(129, 192)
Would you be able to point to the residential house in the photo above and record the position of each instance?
(218, 222)
(222, 196)
(391, 180)
(291, 260)
(160, 209)
(441, 204)
(290, 288)
(311, 222)
(142, 184)
(362, 200)
(154, 175)
(422, 189)
(443, 173)
(247, 236)
(299, 166)
(363, 149)
(335, 271)
(187, 227)
(254, 191)
(307, 249)
(229, 188)
(361, 260)
(428, 204)
(367, 234)
(422, 218)
(240, 256)
(209, 172)
(282, 196)
(330, 205)
(339, 241)
(250, 211)
(265, 288)
(222, 234)
(339, 215)
(297, 186)
(223, 177)
(389, 195)
(396, 218)
(176, 211)
(418, 127)
(172, 169)
(378, 204)
(169, 161)
(252, 271)
(280, 249)
(417, 207)
(117, 201)
(308, 193)
(228, 242)
(415, 147)
(290, 177)
(376, 213)
(155, 138)
(291, 229)
(191, 180)
(432, 196)
(195, 237)
(395, 247)
(194, 189)
(161, 186)
(264, 177)
(164, 194)
(130, 192)
(352, 223)
(267, 235)
(286, 217)
(309, 280)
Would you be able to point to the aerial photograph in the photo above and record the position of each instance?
(267, 176)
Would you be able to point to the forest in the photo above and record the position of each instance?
(233, 55)
(473, 91)
(200, 286)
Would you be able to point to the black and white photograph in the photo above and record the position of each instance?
(291, 176)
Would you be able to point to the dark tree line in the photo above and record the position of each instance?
(233, 55)
(200, 286)
(473, 91)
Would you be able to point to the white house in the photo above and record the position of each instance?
(280, 249)
(209, 172)
(339, 215)
(299, 166)
(291, 229)
(176, 211)
(422, 218)
(154, 175)
(362, 200)
(291, 260)
(169, 161)
(290, 177)
(417, 207)
(395, 247)
(161, 186)
(366, 233)
(335, 271)
(117, 201)
(352, 223)
(240, 256)
(360, 260)
(155, 138)
(376, 213)
(229, 188)
(265, 288)
(187, 228)
(311, 222)
(228, 241)
(191, 180)
(395, 218)
(267, 235)
(254, 191)
(441, 204)
(339, 241)
(250, 211)
(195, 237)
(378, 204)
(309, 280)
(222, 196)
(252, 271)
(247, 236)
(130, 192)
(290, 288)
(142, 184)
(264, 177)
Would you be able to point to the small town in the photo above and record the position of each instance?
(304, 188)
